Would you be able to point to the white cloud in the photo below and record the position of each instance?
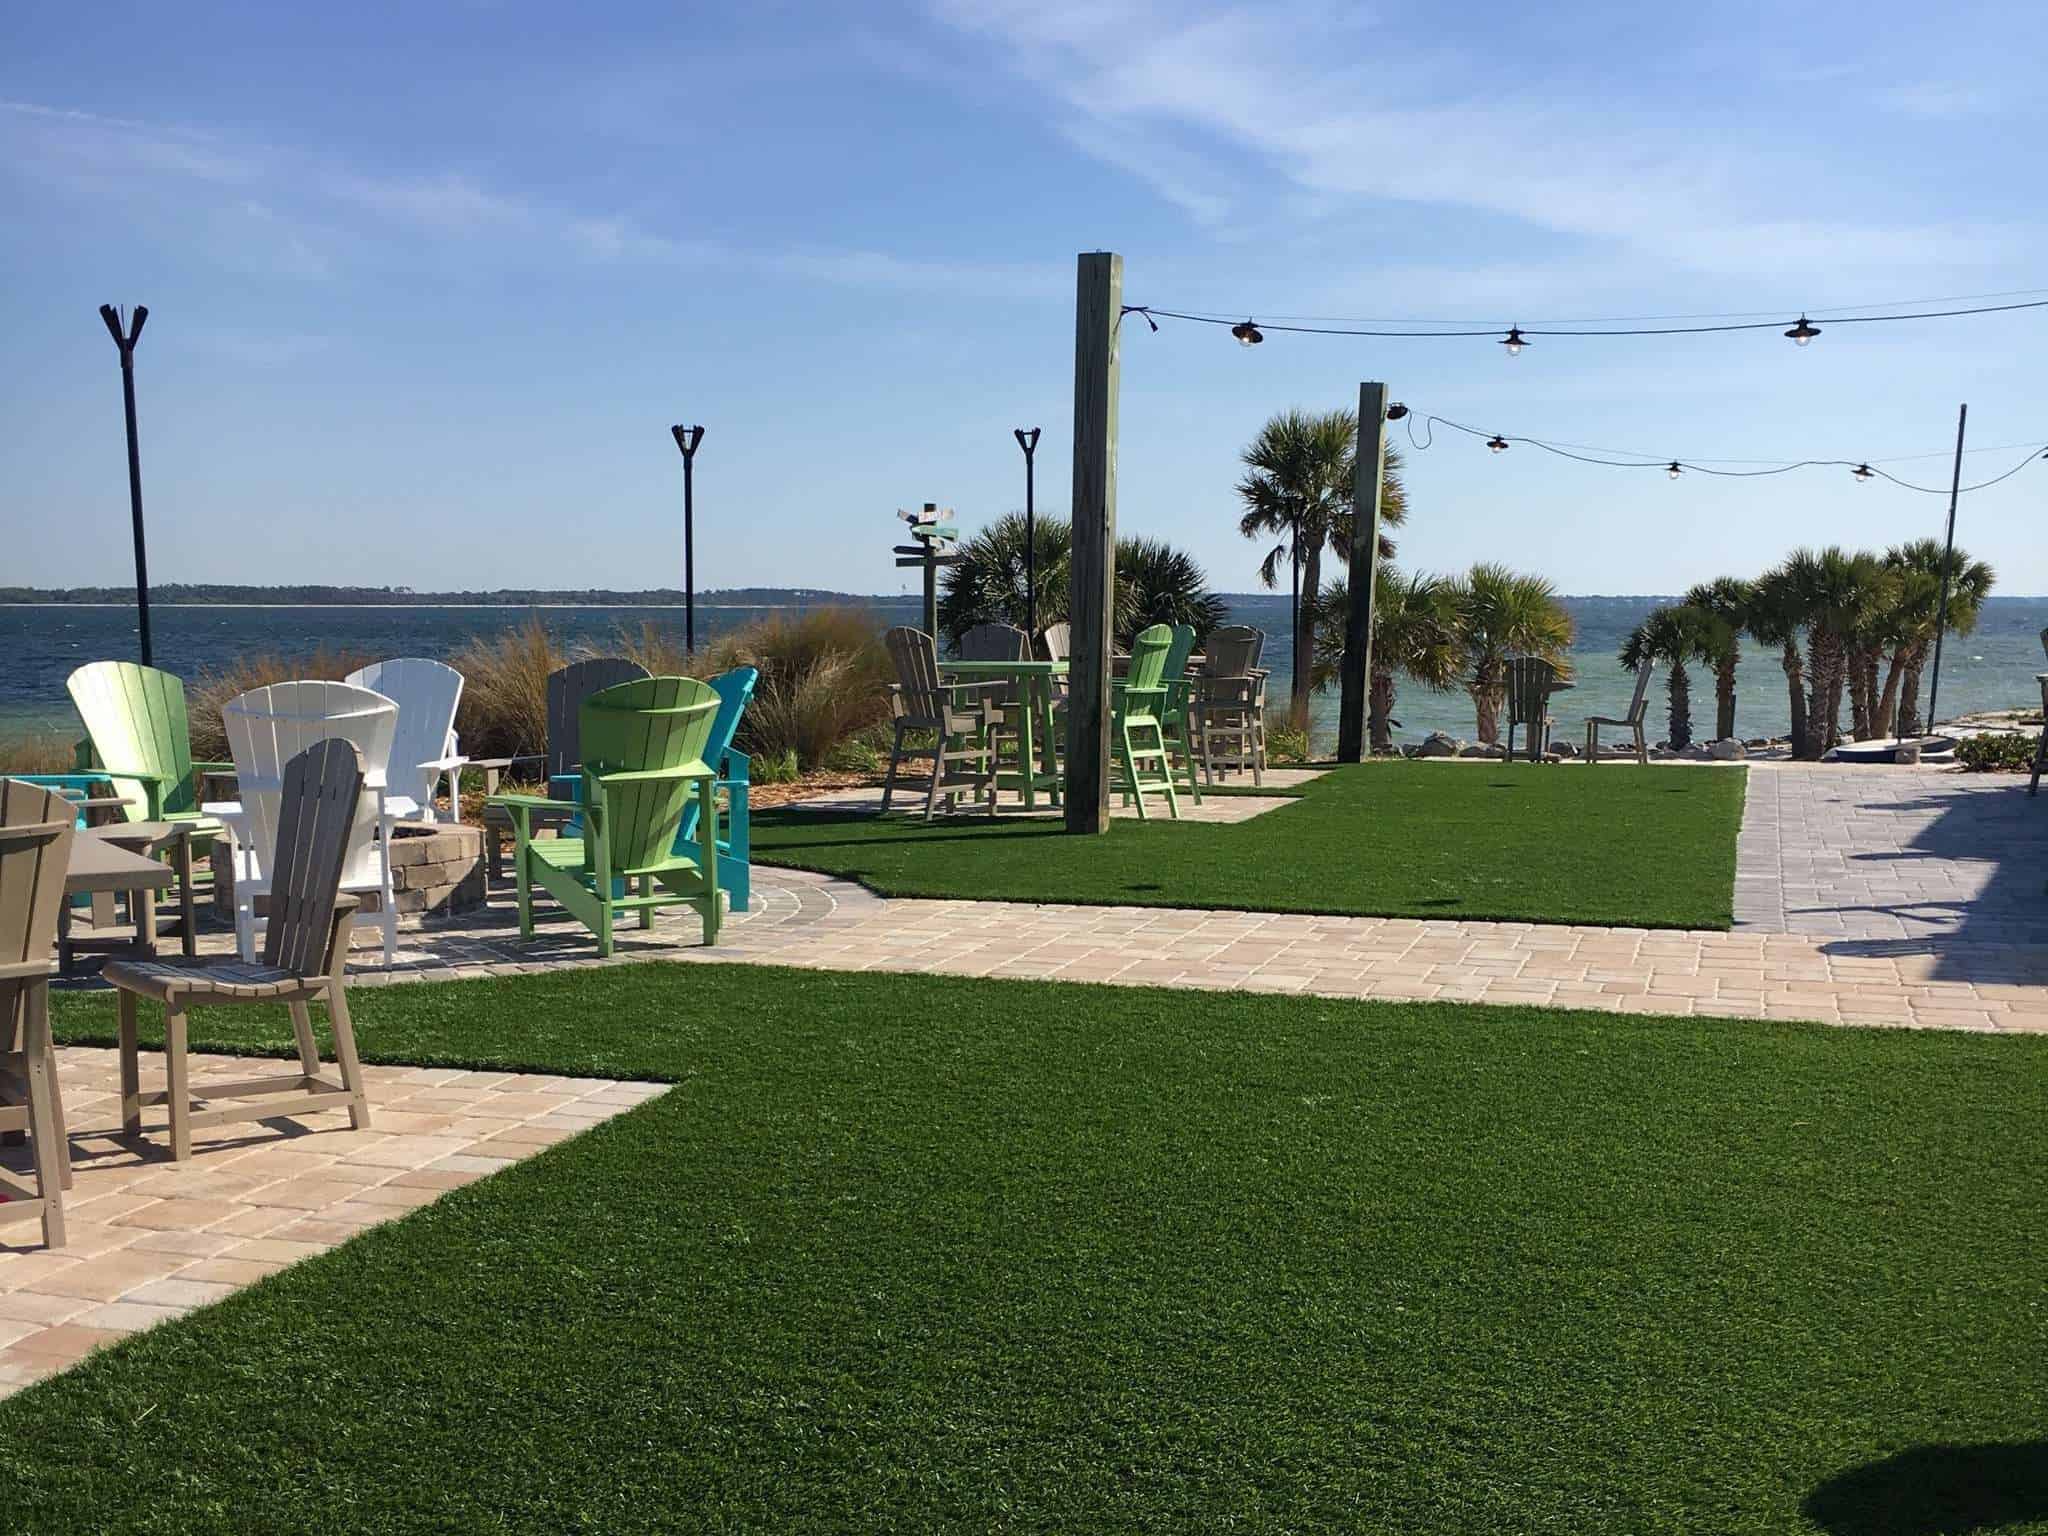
(1938, 100)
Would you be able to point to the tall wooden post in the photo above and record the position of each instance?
(1091, 603)
(1365, 562)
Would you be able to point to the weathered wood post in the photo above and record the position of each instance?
(932, 549)
(1091, 604)
(1365, 562)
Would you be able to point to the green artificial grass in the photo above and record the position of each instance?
(1614, 845)
(906, 1253)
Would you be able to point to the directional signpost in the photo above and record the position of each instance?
(933, 548)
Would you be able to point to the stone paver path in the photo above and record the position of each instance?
(149, 1239)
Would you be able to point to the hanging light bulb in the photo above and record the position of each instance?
(1803, 332)
(1248, 335)
(1514, 341)
(1673, 469)
(1396, 411)
(1863, 472)
(1497, 443)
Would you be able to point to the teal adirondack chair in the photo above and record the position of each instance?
(1138, 708)
(644, 748)
(135, 718)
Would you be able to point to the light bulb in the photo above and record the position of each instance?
(1514, 341)
(1673, 469)
(1803, 332)
(1863, 472)
(1497, 443)
(1247, 334)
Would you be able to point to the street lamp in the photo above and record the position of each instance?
(1028, 441)
(687, 439)
(126, 342)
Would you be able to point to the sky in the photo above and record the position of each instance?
(428, 283)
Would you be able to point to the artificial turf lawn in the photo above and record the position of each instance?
(916, 1253)
(1616, 845)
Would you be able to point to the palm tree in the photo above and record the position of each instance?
(1502, 613)
(1841, 590)
(1414, 634)
(1155, 583)
(1298, 486)
(1727, 600)
(1777, 616)
(1917, 606)
(1676, 634)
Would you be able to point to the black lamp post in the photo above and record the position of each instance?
(1028, 441)
(126, 342)
(687, 439)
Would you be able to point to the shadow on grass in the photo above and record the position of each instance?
(1936, 1490)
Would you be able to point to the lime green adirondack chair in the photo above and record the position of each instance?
(1138, 708)
(135, 719)
(643, 760)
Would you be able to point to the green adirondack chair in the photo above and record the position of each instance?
(136, 723)
(643, 759)
(1138, 708)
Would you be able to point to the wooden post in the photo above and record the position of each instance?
(1091, 603)
(1365, 561)
(931, 576)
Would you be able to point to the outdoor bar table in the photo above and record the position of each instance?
(102, 865)
(1034, 685)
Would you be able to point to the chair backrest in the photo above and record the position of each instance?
(1178, 653)
(568, 688)
(319, 793)
(995, 642)
(735, 689)
(1149, 648)
(35, 850)
(654, 726)
(268, 727)
(135, 718)
(427, 694)
(1233, 650)
(1058, 641)
(920, 692)
(1531, 680)
(1639, 700)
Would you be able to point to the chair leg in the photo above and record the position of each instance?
(2040, 757)
(345, 1055)
(179, 1082)
(45, 1135)
(895, 758)
(37, 1037)
(131, 1069)
(302, 1031)
(1166, 773)
(525, 889)
(931, 796)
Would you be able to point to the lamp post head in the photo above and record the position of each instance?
(687, 439)
(1027, 439)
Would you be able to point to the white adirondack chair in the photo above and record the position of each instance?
(267, 728)
(425, 747)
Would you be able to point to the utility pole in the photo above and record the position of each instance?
(127, 345)
(687, 439)
(1366, 484)
(1091, 601)
(1948, 560)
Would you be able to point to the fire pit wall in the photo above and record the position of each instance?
(435, 870)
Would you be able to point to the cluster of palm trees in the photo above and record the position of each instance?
(1845, 623)
(1441, 631)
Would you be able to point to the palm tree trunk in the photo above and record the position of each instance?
(1724, 697)
(1910, 723)
(1888, 697)
(1859, 697)
(1486, 692)
(1681, 707)
(1824, 666)
(1795, 682)
(1380, 709)
(1308, 579)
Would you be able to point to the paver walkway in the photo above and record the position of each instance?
(149, 1239)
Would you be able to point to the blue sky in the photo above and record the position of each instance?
(428, 282)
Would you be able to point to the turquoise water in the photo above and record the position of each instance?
(1992, 668)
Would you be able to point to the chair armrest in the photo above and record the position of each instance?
(738, 768)
(441, 764)
(654, 775)
(396, 805)
(502, 763)
(529, 803)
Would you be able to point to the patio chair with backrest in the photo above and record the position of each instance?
(1633, 720)
(644, 746)
(561, 756)
(1137, 724)
(423, 746)
(36, 831)
(1177, 711)
(1056, 640)
(268, 727)
(2041, 746)
(317, 815)
(1230, 703)
(959, 718)
(1000, 642)
(1530, 683)
(137, 727)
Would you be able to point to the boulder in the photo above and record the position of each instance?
(1563, 749)
(1437, 744)
(1727, 751)
(1481, 749)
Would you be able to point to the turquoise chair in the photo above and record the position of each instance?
(735, 875)
(72, 786)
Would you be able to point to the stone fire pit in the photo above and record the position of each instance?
(435, 870)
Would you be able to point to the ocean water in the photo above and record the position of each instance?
(1992, 668)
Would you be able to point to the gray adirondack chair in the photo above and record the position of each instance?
(568, 687)
(305, 954)
(1230, 703)
(36, 828)
(1632, 721)
(999, 642)
(958, 717)
(1057, 641)
(1531, 681)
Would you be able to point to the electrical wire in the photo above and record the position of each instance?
(1606, 320)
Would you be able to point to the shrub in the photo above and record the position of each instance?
(1286, 744)
(775, 768)
(2005, 752)
(824, 678)
(504, 710)
(203, 700)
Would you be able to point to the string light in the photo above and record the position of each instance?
(1862, 470)
(1396, 411)
(1519, 336)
